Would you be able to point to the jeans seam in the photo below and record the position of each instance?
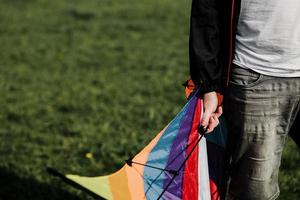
(275, 195)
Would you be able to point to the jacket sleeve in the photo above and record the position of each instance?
(204, 45)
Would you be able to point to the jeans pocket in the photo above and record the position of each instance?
(245, 78)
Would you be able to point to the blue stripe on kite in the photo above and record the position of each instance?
(158, 157)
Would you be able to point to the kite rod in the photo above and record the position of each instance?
(56, 173)
(202, 132)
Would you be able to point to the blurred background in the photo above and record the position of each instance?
(85, 84)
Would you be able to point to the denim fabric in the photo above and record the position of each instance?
(260, 110)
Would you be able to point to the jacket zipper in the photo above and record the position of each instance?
(230, 45)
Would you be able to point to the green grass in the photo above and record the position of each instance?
(94, 76)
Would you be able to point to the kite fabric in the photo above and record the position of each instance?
(180, 163)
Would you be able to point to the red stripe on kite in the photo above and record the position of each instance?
(190, 178)
(214, 190)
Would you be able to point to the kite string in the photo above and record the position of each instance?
(130, 162)
(182, 164)
(151, 166)
(150, 184)
(173, 172)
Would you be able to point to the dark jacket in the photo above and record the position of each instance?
(211, 45)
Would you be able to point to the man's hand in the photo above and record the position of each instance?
(211, 111)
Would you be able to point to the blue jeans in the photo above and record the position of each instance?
(260, 111)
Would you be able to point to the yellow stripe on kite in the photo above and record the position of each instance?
(98, 185)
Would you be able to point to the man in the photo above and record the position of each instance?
(249, 50)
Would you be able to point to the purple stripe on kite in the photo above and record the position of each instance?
(178, 151)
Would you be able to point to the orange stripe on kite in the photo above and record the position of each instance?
(119, 185)
(135, 172)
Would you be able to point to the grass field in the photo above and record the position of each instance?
(94, 77)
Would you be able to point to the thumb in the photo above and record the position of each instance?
(205, 119)
(210, 103)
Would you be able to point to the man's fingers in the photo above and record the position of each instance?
(210, 119)
(205, 119)
(213, 123)
(208, 112)
(219, 111)
(211, 111)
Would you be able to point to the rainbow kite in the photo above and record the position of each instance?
(181, 162)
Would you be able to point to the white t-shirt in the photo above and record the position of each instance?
(268, 37)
